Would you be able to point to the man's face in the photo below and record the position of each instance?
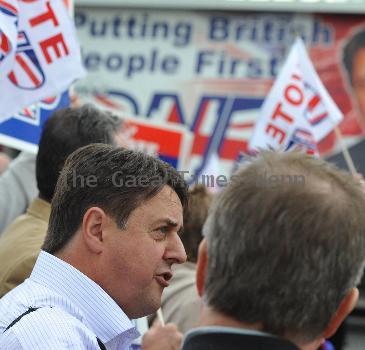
(138, 258)
(358, 79)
